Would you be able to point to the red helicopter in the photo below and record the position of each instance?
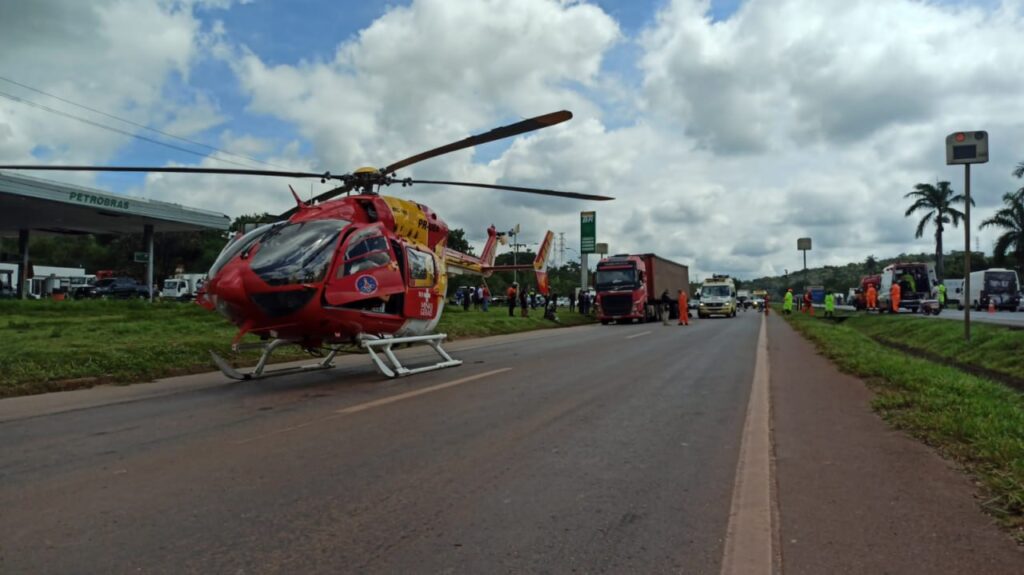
(363, 268)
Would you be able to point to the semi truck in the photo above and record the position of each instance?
(717, 297)
(629, 287)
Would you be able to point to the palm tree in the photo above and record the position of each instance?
(938, 202)
(871, 265)
(1011, 219)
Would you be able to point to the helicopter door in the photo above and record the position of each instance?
(366, 272)
(422, 299)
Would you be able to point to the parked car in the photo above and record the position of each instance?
(116, 287)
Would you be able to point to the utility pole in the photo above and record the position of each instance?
(561, 249)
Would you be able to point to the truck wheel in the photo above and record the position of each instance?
(604, 322)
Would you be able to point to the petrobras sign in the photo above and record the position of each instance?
(588, 232)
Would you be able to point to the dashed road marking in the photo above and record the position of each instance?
(418, 392)
(375, 403)
(638, 334)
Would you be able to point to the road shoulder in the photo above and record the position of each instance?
(856, 496)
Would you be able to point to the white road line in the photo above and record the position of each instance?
(638, 334)
(410, 394)
(748, 540)
(375, 403)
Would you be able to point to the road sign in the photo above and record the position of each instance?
(601, 249)
(967, 148)
(141, 257)
(588, 232)
(803, 243)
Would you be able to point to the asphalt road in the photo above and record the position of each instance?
(593, 449)
(598, 449)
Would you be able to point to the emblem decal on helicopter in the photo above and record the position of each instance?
(426, 306)
(366, 285)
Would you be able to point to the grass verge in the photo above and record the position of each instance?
(53, 346)
(992, 347)
(976, 422)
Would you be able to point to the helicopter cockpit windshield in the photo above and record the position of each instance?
(236, 245)
(297, 252)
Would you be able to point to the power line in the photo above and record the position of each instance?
(130, 122)
(112, 129)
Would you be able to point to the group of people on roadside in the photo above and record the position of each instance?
(479, 297)
(807, 303)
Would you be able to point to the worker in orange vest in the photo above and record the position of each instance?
(872, 297)
(684, 308)
(894, 294)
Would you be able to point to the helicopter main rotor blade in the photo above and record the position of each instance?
(539, 191)
(179, 170)
(528, 125)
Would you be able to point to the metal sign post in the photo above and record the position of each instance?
(588, 243)
(967, 148)
(804, 245)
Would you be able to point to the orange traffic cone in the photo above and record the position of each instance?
(991, 306)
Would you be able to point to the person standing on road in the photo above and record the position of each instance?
(787, 302)
(894, 295)
(767, 303)
(666, 307)
(524, 303)
(486, 296)
(830, 305)
(872, 298)
(684, 307)
(942, 295)
(572, 300)
(512, 299)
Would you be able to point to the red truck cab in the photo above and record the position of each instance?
(629, 286)
(621, 288)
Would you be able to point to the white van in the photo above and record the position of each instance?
(998, 285)
(917, 283)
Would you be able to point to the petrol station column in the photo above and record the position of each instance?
(23, 268)
(147, 238)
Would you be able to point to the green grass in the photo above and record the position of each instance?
(992, 347)
(977, 422)
(51, 346)
(458, 323)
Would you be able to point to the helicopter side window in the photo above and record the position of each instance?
(421, 268)
(366, 253)
(297, 252)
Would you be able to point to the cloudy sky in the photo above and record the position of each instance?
(726, 129)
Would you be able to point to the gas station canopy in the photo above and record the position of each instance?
(39, 205)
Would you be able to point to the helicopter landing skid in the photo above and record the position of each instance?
(393, 367)
(258, 372)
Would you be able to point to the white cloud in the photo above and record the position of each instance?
(787, 119)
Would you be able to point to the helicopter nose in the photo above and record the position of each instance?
(227, 293)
